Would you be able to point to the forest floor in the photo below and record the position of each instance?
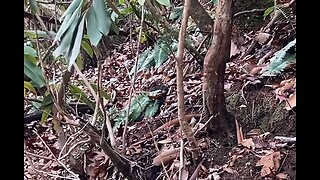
(262, 146)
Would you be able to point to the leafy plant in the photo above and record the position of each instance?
(281, 60)
(70, 34)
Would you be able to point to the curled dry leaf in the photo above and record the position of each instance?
(282, 176)
(291, 103)
(167, 156)
(270, 163)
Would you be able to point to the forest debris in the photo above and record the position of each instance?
(270, 163)
(281, 176)
(166, 156)
(262, 37)
(291, 103)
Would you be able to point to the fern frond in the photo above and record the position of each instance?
(281, 60)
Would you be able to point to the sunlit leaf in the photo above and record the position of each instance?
(74, 52)
(30, 51)
(87, 48)
(92, 29)
(34, 6)
(29, 86)
(141, 2)
(164, 2)
(34, 73)
(268, 11)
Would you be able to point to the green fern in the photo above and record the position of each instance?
(281, 60)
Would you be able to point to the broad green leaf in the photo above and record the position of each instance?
(121, 2)
(69, 19)
(268, 11)
(34, 6)
(80, 95)
(164, 2)
(34, 73)
(87, 48)
(138, 105)
(92, 29)
(74, 52)
(45, 113)
(161, 55)
(127, 10)
(102, 16)
(28, 85)
(47, 101)
(32, 34)
(73, 6)
(66, 42)
(152, 109)
(31, 59)
(30, 51)
(141, 2)
(176, 13)
(80, 62)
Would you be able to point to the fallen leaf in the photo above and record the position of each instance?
(248, 143)
(167, 156)
(165, 141)
(262, 37)
(291, 103)
(255, 70)
(282, 176)
(230, 170)
(270, 163)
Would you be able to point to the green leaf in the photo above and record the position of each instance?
(141, 2)
(45, 113)
(92, 29)
(164, 2)
(74, 51)
(121, 2)
(268, 11)
(80, 62)
(32, 34)
(47, 101)
(34, 6)
(80, 95)
(71, 16)
(152, 109)
(138, 105)
(161, 55)
(176, 13)
(87, 48)
(28, 85)
(72, 8)
(30, 51)
(34, 73)
(64, 45)
(127, 10)
(281, 60)
(102, 16)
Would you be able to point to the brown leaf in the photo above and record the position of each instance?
(239, 132)
(270, 163)
(255, 70)
(248, 143)
(234, 50)
(262, 37)
(167, 156)
(230, 170)
(291, 103)
(282, 176)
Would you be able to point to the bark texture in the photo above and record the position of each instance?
(214, 71)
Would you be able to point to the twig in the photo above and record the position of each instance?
(285, 139)
(248, 11)
(53, 175)
(38, 156)
(111, 135)
(63, 165)
(181, 165)
(205, 124)
(74, 146)
(133, 81)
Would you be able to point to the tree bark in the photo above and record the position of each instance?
(201, 17)
(214, 71)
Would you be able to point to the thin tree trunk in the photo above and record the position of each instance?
(179, 66)
(214, 71)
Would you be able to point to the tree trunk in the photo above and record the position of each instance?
(214, 71)
(201, 17)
